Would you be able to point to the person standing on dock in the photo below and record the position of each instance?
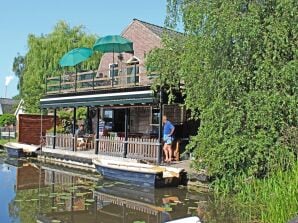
(168, 130)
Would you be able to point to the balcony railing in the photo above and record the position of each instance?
(119, 77)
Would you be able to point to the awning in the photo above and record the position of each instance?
(105, 99)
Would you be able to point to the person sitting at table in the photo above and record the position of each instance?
(80, 131)
(80, 136)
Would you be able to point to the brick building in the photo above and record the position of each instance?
(120, 94)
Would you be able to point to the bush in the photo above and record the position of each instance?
(7, 119)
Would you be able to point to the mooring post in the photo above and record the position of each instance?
(74, 129)
(97, 130)
(125, 132)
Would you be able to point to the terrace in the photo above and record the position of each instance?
(126, 76)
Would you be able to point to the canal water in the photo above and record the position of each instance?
(31, 191)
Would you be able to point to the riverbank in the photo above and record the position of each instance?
(270, 200)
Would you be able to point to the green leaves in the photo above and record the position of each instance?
(41, 60)
(238, 63)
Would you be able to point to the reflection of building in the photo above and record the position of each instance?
(29, 176)
(111, 202)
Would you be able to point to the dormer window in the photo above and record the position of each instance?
(133, 70)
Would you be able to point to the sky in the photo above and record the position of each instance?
(18, 18)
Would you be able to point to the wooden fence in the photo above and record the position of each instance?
(142, 149)
(112, 146)
(137, 148)
(63, 141)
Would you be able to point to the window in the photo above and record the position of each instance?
(115, 69)
(133, 70)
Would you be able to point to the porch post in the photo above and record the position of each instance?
(125, 132)
(159, 153)
(55, 130)
(97, 130)
(88, 120)
(74, 129)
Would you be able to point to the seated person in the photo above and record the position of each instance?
(80, 131)
(80, 134)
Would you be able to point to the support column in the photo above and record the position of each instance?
(125, 132)
(55, 128)
(88, 127)
(74, 129)
(159, 154)
(97, 130)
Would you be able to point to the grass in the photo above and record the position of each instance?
(274, 199)
(3, 141)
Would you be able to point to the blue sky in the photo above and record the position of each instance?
(19, 18)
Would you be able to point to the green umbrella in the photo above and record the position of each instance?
(75, 57)
(112, 44)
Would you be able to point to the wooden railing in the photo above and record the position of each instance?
(119, 77)
(112, 146)
(63, 141)
(137, 148)
(142, 149)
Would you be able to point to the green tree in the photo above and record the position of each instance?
(238, 64)
(7, 119)
(42, 59)
(18, 67)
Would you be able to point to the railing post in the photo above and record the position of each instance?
(97, 131)
(60, 83)
(76, 79)
(135, 74)
(113, 71)
(126, 133)
(55, 131)
(74, 129)
(93, 81)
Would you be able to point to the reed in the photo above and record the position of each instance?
(273, 199)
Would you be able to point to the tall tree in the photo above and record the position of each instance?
(18, 67)
(239, 66)
(42, 59)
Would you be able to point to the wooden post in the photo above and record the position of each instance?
(125, 132)
(60, 83)
(55, 130)
(76, 79)
(74, 129)
(159, 153)
(97, 130)
(88, 129)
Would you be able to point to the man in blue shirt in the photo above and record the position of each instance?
(168, 130)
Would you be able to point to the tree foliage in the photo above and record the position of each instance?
(42, 59)
(18, 68)
(238, 63)
(7, 119)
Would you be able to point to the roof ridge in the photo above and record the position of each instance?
(161, 27)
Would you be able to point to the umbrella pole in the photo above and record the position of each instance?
(113, 70)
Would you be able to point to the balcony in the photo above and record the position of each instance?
(125, 76)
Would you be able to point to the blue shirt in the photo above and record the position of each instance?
(167, 128)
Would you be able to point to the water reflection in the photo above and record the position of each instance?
(50, 193)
